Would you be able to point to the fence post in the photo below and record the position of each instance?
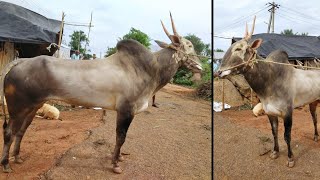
(251, 96)
(222, 94)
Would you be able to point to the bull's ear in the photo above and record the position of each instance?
(256, 43)
(162, 44)
(175, 40)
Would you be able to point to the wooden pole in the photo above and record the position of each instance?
(60, 34)
(251, 98)
(222, 94)
(85, 46)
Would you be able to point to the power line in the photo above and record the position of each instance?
(241, 19)
(222, 37)
(302, 14)
(236, 26)
(290, 19)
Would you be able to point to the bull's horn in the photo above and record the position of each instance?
(246, 34)
(253, 24)
(165, 30)
(173, 26)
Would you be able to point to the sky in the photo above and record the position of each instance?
(230, 17)
(113, 19)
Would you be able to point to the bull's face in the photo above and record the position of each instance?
(185, 54)
(236, 58)
(191, 61)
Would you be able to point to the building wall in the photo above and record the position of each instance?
(7, 53)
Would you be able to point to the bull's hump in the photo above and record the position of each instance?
(133, 48)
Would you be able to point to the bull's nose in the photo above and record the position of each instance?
(217, 74)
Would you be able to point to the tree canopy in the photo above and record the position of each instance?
(77, 40)
(290, 32)
(135, 34)
(199, 46)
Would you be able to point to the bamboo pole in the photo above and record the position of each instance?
(222, 94)
(60, 34)
(251, 97)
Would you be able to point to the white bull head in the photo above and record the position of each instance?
(236, 58)
(185, 54)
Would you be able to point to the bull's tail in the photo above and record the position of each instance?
(4, 72)
(4, 111)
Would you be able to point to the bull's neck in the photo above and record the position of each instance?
(258, 76)
(167, 66)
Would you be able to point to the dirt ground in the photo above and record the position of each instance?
(242, 145)
(169, 142)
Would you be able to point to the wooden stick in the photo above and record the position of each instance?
(251, 98)
(222, 94)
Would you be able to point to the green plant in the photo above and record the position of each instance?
(183, 77)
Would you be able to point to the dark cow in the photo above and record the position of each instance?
(280, 88)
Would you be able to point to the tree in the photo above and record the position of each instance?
(138, 36)
(287, 32)
(110, 51)
(198, 45)
(134, 34)
(291, 33)
(218, 50)
(77, 39)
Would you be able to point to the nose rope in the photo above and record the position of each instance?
(250, 62)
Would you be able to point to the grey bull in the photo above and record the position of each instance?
(280, 88)
(124, 83)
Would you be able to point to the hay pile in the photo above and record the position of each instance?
(205, 90)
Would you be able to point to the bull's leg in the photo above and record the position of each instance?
(287, 137)
(27, 121)
(7, 141)
(104, 116)
(313, 108)
(274, 126)
(153, 101)
(124, 118)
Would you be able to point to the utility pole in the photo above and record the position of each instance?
(60, 34)
(272, 10)
(85, 46)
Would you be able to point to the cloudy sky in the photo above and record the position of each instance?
(113, 19)
(230, 17)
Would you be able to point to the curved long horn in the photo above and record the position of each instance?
(173, 26)
(248, 36)
(253, 24)
(165, 30)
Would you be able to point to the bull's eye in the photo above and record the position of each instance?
(190, 46)
(238, 49)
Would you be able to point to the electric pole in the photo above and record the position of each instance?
(272, 10)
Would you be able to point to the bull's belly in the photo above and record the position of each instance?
(105, 101)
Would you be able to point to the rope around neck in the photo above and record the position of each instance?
(253, 61)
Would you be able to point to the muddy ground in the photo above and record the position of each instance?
(242, 145)
(170, 142)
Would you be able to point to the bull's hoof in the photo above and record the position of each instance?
(121, 158)
(290, 163)
(154, 105)
(274, 155)
(117, 170)
(315, 138)
(18, 160)
(6, 168)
